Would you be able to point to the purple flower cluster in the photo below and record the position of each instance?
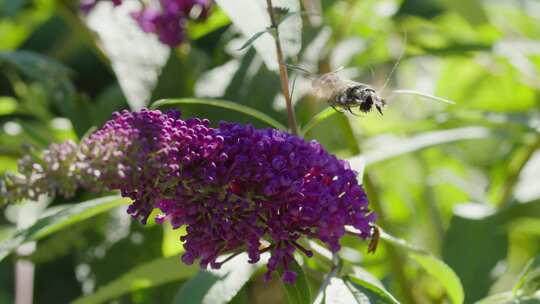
(234, 187)
(168, 21)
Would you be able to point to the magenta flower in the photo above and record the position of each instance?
(168, 21)
(234, 187)
(88, 5)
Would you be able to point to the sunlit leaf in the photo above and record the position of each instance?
(396, 147)
(479, 87)
(148, 275)
(251, 18)
(375, 294)
(168, 103)
(215, 21)
(338, 291)
(6, 232)
(352, 289)
(136, 57)
(529, 280)
(217, 286)
(509, 298)
(61, 219)
(8, 105)
(171, 244)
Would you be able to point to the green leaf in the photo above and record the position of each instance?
(433, 266)
(396, 147)
(151, 274)
(55, 79)
(167, 103)
(375, 294)
(318, 118)
(194, 290)
(339, 291)
(170, 245)
(479, 88)
(62, 218)
(478, 235)
(471, 10)
(529, 280)
(479, 229)
(300, 292)
(217, 286)
(250, 41)
(215, 21)
(6, 232)
(443, 273)
(509, 298)
(8, 105)
(34, 65)
(351, 289)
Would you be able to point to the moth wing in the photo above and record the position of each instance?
(328, 85)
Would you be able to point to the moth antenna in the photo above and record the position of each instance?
(294, 85)
(393, 70)
(300, 69)
(339, 69)
(424, 95)
(371, 71)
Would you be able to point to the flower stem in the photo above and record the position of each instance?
(282, 70)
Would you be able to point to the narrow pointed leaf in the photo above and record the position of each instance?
(61, 219)
(376, 294)
(167, 103)
(253, 38)
(148, 275)
(318, 118)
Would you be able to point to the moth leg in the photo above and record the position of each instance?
(379, 109)
(350, 111)
(336, 109)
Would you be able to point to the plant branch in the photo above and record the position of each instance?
(518, 162)
(282, 70)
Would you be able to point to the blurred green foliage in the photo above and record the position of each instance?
(460, 181)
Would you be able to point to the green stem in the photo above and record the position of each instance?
(397, 261)
(84, 33)
(517, 164)
(283, 75)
